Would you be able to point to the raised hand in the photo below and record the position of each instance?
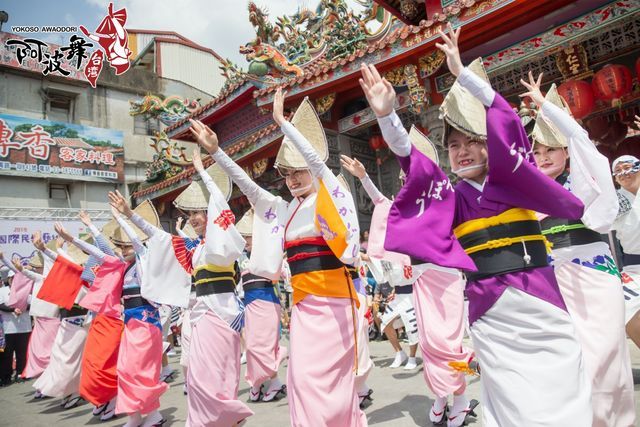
(278, 107)
(62, 232)
(117, 201)
(85, 218)
(533, 87)
(197, 160)
(378, 90)
(36, 239)
(203, 134)
(450, 48)
(353, 166)
(179, 223)
(16, 263)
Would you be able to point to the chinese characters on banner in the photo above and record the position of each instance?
(35, 147)
(15, 236)
(76, 60)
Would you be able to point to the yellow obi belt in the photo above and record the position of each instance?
(214, 279)
(315, 270)
(505, 243)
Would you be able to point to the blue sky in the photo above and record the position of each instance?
(221, 25)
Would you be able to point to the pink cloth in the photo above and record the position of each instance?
(596, 304)
(439, 303)
(364, 359)
(104, 295)
(41, 341)
(62, 376)
(320, 379)
(214, 374)
(377, 233)
(138, 368)
(261, 335)
(20, 289)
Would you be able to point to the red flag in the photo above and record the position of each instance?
(63, 283)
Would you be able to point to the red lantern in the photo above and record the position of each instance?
(377, 142)
(638, 68)
(612, 83)
(597, 127)
(579, 97)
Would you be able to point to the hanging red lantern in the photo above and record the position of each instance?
(597, 127)
(612, 83)
(377, 142)
(578, 95)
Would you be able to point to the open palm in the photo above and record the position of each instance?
(378, 90)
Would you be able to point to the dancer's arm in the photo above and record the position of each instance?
(84, 246)
(117, 201)
(356, 168)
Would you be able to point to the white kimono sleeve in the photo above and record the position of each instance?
(591, 179)
(223, 244)
(268, 220)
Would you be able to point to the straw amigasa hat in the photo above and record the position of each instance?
(76, 253)
(464, 112)
(544, 132)
(245, 225)
(37, 260)
(422, 144)
(196, 196)
(308, 123)
(116, 234)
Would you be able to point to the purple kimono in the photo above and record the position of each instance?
(427, 209)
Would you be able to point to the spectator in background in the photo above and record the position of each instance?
(17, 328)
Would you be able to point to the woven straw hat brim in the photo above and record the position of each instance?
(116, 234)
(196, 196)
(307, 122)
(463, 111)
(343, 181)
(245, 225)
(37, 260)
(544, 132)
(76, 254)
(423, 144)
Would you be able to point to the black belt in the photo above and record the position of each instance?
(505, 259)
(630, 259)
(404, 289)
(135, 302)
(353, 272)
(76, 310)
(312, 263)
(252, 281)
(562, 233)
(220, 287)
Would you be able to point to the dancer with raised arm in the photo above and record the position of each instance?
(587, 274)
(319, 231)
(523, 336)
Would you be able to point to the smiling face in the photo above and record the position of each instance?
(467, 157)
(127, 252)
(628, 181)
(551, 161)
(299, 181)
(198, 220)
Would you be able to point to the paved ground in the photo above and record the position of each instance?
(400, 399)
